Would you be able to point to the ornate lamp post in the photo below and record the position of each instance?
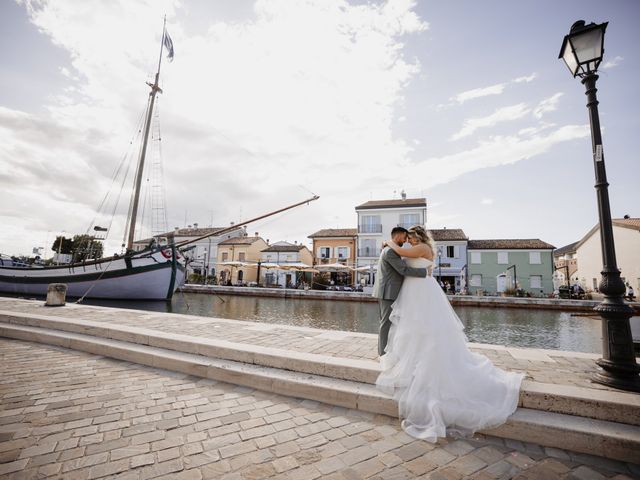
(582, 51)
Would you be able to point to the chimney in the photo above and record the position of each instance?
(403, 194)
(256, 234)
(176, 228)
(195, 225)
(232, 223)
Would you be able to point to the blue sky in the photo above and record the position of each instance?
(463, 102)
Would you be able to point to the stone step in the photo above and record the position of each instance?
(597, 437)
(594, 403)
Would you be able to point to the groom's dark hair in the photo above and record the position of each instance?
(396, 230)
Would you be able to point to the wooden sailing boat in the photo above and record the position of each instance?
(151, 274)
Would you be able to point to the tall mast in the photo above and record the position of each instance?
(143, 150)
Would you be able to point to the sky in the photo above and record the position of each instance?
(267, 102)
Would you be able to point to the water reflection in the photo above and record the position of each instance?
(501, 326)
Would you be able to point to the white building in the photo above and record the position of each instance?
(283, 254)
(450, 261)
(376, 219)
(626, 235)
(204, 253)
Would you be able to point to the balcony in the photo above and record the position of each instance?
(370, 228)
(368, 252)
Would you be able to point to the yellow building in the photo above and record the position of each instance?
(336, 245)
(238, 259)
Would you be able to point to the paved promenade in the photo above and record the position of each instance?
(72, 415)
(545, 366)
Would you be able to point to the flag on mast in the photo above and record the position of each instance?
(168, 43)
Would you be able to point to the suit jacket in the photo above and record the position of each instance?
(391, 273)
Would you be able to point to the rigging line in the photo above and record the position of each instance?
(230, 140)
(161, 174)
(93, 284)
(115, 174)
(305, 188)
(130, 212)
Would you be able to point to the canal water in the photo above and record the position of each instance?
(502, 326)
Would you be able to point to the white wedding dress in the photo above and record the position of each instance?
(442, 388)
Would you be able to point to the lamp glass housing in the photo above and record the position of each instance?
(583, 48)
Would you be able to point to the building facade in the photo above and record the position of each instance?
(450, 257)
(626, 235)
(203, 254)
(376, 219)
(494, 266)
(284, 253)
(566, 265)
(238, 259)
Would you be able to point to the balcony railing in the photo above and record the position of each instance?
(408, 225)
(370, 228)
(368, 252)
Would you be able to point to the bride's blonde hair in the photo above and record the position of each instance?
(423, 236)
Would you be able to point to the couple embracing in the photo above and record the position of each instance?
(442, 388)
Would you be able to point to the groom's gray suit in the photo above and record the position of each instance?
(391, 273)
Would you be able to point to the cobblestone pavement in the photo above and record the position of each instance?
(544, 366)
(71, 415)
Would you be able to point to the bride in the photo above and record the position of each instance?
(442, 388)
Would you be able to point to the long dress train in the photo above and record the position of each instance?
(442, 388)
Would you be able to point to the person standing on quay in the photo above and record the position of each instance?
(390, 276)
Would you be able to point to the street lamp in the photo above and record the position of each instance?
(582, 52)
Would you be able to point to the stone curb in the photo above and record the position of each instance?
(597, 437)
(591, 403)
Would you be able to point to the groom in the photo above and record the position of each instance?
(391, 273)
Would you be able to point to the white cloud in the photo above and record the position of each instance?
(487, 201)
(496, 89)
(547, 105)
(614, 62)
(525, 79)
(462, 97)
(495, 152)
(504, 114)
(303, 92)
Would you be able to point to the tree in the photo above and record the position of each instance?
(82, 247)
(65, 248)
(85, 247)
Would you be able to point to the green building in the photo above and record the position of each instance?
(494, 266)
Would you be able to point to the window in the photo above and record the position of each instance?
(368, 248)
(503, 257)
(342, 252)
(408, 220)
(536, 281)
(370, 224)
(241, 256)
(451, 251)
(325, 252)
(476, 257)
(595, 284)
(534, 258)
(225, 256)
(476, 280)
